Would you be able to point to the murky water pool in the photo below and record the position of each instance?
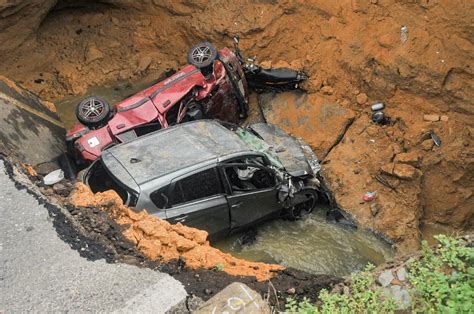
(313, 245)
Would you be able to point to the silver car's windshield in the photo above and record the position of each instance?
(259, 145)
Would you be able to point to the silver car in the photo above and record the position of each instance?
(211, 175)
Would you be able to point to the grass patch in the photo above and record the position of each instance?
(441, 280)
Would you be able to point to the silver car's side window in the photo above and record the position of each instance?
(197, 186)
(160, 197)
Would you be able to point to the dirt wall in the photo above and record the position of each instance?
(354, 55)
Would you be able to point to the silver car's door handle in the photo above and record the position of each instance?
(181, 218)
(236, 205)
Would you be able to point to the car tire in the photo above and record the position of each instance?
(202, 55)
(301, 210)
(93, 111)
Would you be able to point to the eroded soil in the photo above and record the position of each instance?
(354, 56)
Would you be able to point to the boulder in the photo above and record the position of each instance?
(235, 298)
(29, 130)
(316, 118)
(431, 117)
(404, 171)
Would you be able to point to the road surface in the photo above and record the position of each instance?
(41, 273)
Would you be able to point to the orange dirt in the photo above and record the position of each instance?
(353, 54)
(159, 240)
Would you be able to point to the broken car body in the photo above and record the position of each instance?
(214, 86)
(210, 175)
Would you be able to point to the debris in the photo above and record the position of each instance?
(431, 117)
(444, 118)
(374, 209)
(384, 182)
(435, 138)
(412, 158)
(404, 171)
(402, 296)
(403, 34)
(235, 298)
(53, 177)
(144, 63)
(385, 278)
(361, 98)
(402, 274)
(396, 282)
(378, 106)
(427, 144)
(291, 291)
(378, 117)
(61, 189)
(369, 196)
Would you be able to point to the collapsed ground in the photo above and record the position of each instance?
(354, 56)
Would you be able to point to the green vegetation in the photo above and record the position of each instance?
(440, 281)
(443, 278)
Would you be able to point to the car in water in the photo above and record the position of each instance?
(211, 175)
(214, 86)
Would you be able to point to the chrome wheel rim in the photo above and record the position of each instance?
(201, 54)
(92, 108)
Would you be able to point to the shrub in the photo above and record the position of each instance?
(442, 281)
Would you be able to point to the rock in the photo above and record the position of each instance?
(375, 208)
(291, 291)
(208, 291)
(427, 144)
(412, 158)
(431, 117)
(328, 90)
(61, 189)
(385, 278)
(387, 168)
(346, 291)
(404, 171)
(144, 63)
(93, 53)
(401, 296)
(235, 298)
(374, 1)
(444, 118)
(402, 274)
(361, 98)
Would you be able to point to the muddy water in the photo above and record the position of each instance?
(313, 245)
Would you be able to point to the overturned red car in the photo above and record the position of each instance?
(212, 86)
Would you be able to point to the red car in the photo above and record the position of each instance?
(212, 86)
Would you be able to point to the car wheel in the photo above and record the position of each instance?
(202, 55)
(92, 111)
(307, 198)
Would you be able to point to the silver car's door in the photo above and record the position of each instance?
(198, 200)
(254, 193)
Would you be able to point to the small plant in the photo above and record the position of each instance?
(442, 281)
(443, 278)
(219, 266)
(365, 298)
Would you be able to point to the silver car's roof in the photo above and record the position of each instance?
(168, 150)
